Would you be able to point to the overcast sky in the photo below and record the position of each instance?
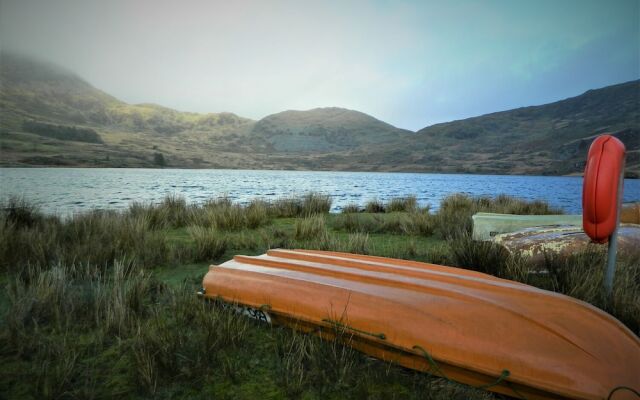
(408, 63)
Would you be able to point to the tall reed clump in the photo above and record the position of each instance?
(423, 223)
(84, 331)
(482, 256)
(286, 207)
(351, 208)
(257, 214)
(352, 222)
(307, 361)
(396, 223)
(402, 204)
(315, 203)
(176, 209)
(312, 233)
(99, 237)
(58, 318)
(309, 204)
(310, 228)
(21, 245)
(374, 206)
(224, 215)
(154, 217)
(356, 243)
(505, 204)
(438, 254)
(230, 218)
(20, 212)
(581, 275)
(209, 243)
(186, 342)
(454, 216)
(25, 232)
(416, 222)
(64, 301)
(171, 212)
(96, 237)
(413, 223)
(310, 367)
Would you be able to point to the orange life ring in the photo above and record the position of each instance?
(601, 189)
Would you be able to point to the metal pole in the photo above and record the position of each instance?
(611, 262)
(613, 241)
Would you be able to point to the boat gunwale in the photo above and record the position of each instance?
(385, 345)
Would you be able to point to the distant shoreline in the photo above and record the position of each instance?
(631, 175)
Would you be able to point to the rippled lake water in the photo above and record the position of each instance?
(67, 190)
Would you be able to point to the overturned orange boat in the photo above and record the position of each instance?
(473, 328)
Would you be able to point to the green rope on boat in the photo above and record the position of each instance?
(615, 389)
(340, 325)
(503, 375)
(433, 365)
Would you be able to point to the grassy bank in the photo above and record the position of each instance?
(102, 304)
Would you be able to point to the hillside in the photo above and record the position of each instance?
(550, 139)
(38, 93)
(325, 130)
(51, 117)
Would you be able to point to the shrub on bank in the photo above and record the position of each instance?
(209, 243)
(454, 215)
(20, 213)
(171, 212)
(402, 204)
(481, 256)
(581, 275)
(374, 206)
(309, 204)
(94, 237)
(310, 228)
(315, 203)
(357, 243)
(350, 209)
(414, 223)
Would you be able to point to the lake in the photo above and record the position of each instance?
(68, 190)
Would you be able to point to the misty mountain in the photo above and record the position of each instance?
(33, 89)
(37, 90)
(51, 116)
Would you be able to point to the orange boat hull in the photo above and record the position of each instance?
(473, 326)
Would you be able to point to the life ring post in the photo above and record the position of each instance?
(612, 250)
(602, 191)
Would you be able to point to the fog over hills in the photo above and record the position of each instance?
(50, 116)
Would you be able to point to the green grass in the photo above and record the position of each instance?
(103, 304)
(184, 274)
